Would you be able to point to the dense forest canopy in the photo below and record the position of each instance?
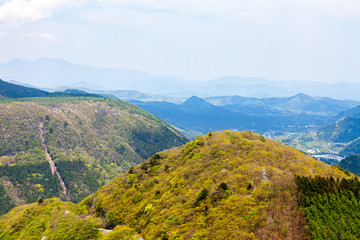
(90, 140)
(224, 185)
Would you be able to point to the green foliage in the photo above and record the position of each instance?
(331, 206)
(121, 233)
(201, 195)
(351, 163)
(16, 91)
(148, 208)
(353, 148)
(223, 186)
(25, 183)
(343, 131)
(346, 166)
(52, 218)
(91, 140)
(199, 191)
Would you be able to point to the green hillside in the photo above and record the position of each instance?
(352, 148)
(351, 163)
(10, 90)
(225, 185)
(340, 138)
(344, 130)
(51, 218)
(87, 140)
(331, 207)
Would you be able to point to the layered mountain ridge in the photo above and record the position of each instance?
(63, 73)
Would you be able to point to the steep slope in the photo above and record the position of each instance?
(225, 185)
(343, 131)
(331, 206)
(351, 163)
(85, 141)
(11, 90)
(352, 148)
(58, 218)
(353, 112)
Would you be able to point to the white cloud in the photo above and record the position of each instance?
(37, 35)
(14, 12)
(5, 34)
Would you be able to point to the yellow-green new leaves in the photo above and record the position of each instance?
(212, 188)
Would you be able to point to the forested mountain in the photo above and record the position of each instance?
(300, 102)
(353, 112)
(340, 136)
(224, 185)
(299, 113)
(10, 90)
(352, 148)
(334, 141)
(68, 147)
(351, 163)
(331, 206)
(343, 131)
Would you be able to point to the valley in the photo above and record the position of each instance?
(68, 146)
(179, 120)
(83, 158)
(232, 185)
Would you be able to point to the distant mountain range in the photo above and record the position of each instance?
(54, 73)
(338, 138)
(196, 115)
(277, 115)
(298, 103)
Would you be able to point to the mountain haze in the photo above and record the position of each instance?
(297, 103)
(263, 115)
(39, 72)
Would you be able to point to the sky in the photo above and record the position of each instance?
(307, 40)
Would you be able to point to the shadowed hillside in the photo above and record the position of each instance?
(87, 141)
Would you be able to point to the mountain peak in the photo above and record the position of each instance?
(195, 103)
(195, 99)
(302, 96)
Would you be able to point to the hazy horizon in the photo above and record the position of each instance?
(168, 75)
(198, 40)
